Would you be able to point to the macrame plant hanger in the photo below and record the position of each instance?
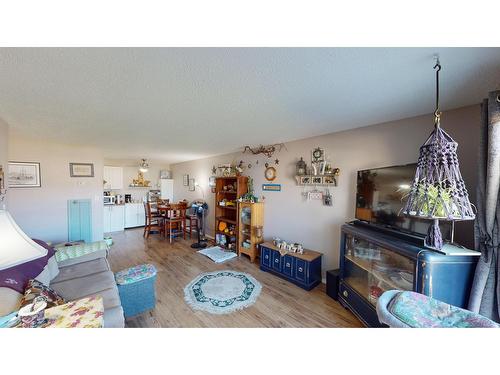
(438, 191)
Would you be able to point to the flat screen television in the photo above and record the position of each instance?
(380, 197)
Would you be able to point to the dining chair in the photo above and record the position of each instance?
(154, 221)
(174, 220)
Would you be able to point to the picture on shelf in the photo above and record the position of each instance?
(305, 180)
(329, 180)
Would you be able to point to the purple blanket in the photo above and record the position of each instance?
(17, 277)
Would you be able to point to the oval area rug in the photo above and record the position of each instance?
(222, 292)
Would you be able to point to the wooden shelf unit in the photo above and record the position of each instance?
(249, 231)
(229, 214)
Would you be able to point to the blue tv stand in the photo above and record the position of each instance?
(373, 260)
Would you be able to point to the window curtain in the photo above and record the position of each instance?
(485, 293)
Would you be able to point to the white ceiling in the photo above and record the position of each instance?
(177, 104)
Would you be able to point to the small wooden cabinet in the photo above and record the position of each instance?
(303, 270)
(251, 226)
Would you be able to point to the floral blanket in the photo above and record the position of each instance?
(419, 311)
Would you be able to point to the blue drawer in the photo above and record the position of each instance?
(288, 265)
(265, 256)
(276, 259)
(301, 270)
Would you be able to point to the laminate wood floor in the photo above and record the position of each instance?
(280, 304)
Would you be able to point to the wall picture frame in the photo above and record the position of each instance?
(24, 174)
(81, 170)
(317, 180)
(185, 180)
(305, 180)
(192, 185)
(318, 155)
(330, 180)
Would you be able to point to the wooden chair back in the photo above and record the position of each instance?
(177, 211)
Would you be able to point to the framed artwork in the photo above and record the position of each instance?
(24, 174)
(330, 180)
(271, 187)
(305, 180)
(192, 186)
(317, 180)
(81, 170)
(212, 181)
(185, 180)
(318, 155)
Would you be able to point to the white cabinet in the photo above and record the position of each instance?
(167, 189)
(113, 177)
(114, 218)
(134, 215)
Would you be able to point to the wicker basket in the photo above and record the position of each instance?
(136, 286)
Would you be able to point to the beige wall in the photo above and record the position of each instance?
(42, 212)
(4, 138)
(289, 216)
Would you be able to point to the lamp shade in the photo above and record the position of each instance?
(15, 246)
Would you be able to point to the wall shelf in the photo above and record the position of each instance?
(326, 180)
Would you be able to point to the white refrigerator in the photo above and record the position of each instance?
(167, 189)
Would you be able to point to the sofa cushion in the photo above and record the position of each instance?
(84, 258)
(35, 289)
(113, 318)
(102, 283)
(10, 300)
(65, 253)
(82, 269)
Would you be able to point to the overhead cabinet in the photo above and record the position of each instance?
(113, 177)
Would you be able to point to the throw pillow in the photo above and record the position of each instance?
(35, 288)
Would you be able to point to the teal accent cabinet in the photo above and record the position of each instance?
(80, 220)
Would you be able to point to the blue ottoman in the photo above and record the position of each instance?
(136, 286)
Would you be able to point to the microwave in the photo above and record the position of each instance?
(109, 199)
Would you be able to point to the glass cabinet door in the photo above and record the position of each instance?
(371, 270)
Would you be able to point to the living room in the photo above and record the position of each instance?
(237, 187)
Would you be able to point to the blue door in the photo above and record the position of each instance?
(265, 257)
(300, 270)
(276, 258)
(288, 261)
(80, 220)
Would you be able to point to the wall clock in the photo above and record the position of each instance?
(270, 173)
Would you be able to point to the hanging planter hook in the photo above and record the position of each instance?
(437, 113)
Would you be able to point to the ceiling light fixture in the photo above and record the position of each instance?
(144, 166)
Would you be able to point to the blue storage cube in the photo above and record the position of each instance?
(136, 286)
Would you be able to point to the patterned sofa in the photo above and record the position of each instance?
(83, 276)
